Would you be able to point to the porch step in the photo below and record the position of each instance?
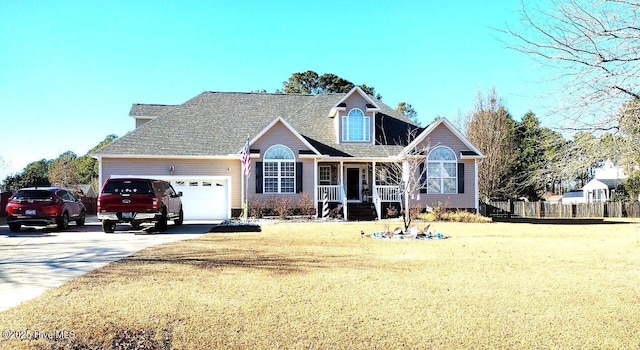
(361, 212)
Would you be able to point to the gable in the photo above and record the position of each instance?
(280, 134)
(443, 133)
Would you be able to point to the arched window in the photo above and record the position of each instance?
(442, 171)
(356, 126)
(279, 170)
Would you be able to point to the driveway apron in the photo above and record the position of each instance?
(34, 260)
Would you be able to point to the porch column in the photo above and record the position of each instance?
(342, 192)
(405, 178)
(315, 185)
(374, 189)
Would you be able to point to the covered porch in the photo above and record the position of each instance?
(356, 190)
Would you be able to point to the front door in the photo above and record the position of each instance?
(353, 184)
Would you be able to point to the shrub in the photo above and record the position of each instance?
(305, 205)
(283, 207)
(256, 208)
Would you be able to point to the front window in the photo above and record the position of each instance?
(324, 175)
(442, 171)
(356, 126)
(279, 170)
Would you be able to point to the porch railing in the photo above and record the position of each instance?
(334, 193)
(388, 193)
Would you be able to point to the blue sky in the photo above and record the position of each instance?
(70, 70)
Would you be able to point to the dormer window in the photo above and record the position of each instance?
(356, 126)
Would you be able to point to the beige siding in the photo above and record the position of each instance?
(182, 167)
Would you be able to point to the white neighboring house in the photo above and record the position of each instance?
(606, 179)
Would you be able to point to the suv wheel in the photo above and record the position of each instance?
(108, 226)
(63, 221)
(14, 227)
(180, 218)
(161, 225)
(80, 221)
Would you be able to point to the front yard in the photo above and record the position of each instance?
(320, 286)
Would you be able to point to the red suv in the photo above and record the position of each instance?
(136, 200)
(42, 206)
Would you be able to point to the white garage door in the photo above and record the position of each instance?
(203, 199)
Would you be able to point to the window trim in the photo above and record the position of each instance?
(280, 164)
(441, 169)
(346, 127)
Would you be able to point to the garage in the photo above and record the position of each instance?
(204, 199)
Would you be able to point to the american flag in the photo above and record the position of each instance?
(246, 159)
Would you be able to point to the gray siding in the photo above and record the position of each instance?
(280, 135)
(356, 101)
(442, 136)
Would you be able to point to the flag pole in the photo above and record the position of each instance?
(246, 170)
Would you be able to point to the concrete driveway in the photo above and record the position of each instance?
(35, 260)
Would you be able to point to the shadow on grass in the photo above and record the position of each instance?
(559, 221)
(209, 259)
(226, 227)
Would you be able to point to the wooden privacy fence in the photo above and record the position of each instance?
(521, 209)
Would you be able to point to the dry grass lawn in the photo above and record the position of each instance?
(320, 286)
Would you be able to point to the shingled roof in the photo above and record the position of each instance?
(218, 123)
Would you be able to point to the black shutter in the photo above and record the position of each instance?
(258, 177)
(460, 177)
(298, 177)
(423, 179)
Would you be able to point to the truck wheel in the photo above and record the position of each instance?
(14, 227)
(161, 225)
(180, 218)
(108, 226)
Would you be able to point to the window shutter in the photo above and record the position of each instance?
(259, 177)
(298, 177)
(460, 177)
(423, 179)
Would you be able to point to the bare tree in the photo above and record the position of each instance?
(63, 172)
(490, 128)
(594, 46)
(408, 172)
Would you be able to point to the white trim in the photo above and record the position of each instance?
(345, 127)
(442, 178)
(451, 128)
(166, 156)
(279, 175)
(288, 126)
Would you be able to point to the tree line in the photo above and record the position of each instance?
(527, 161)
(67, 171)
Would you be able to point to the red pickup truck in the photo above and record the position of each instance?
(136, 201)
